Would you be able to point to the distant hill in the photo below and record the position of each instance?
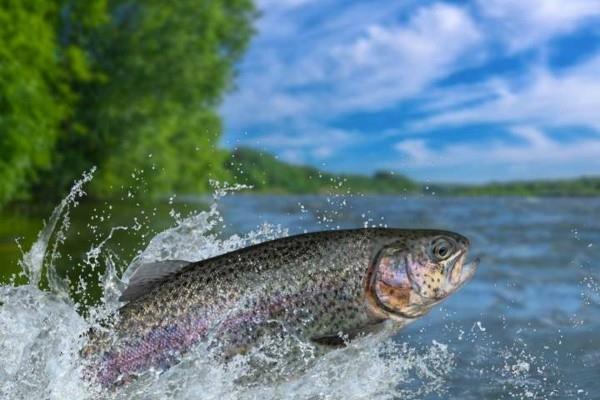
(584, 186)
(267, 174)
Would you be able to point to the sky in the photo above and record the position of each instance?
(442, 91)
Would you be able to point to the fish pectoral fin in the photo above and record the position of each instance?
(341, 339)
(149, 275)
(331, 341)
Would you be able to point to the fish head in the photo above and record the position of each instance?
(417, 270)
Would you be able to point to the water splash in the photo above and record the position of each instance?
(33, 262)
(41, 332)
(40, 335)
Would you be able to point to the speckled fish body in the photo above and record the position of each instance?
(318, 286)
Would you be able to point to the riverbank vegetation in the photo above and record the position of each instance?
(129, 86)
(584, 186)
(132, 87)
(265, 173)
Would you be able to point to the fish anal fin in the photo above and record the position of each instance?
(149, 275)
(331, 341)
(341, 339)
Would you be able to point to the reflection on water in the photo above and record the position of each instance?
(526, 326)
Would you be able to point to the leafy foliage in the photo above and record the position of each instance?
(167, 64)
(33, 99)
(126, 85)
(266, 173)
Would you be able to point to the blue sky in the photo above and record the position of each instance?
(462, 91)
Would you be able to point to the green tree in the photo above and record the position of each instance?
(265, 173)
(159, 72)
(33, 97)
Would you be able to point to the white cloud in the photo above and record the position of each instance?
(567, 98)
(415, 150)
(315, 142)
(378, 65)
(314, 63)
(534, 137)
(534, 149)
(526, 23)
(391, 63)
(357, 59)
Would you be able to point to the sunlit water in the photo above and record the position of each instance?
(527, 326)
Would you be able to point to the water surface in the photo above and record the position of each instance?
(527, 326)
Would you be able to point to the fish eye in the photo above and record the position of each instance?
(441, 249)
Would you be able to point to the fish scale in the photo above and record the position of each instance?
(312, 286)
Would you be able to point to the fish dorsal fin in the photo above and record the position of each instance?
(149, 275)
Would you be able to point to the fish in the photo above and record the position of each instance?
(325, 288)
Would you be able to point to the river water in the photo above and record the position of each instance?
(526, 327)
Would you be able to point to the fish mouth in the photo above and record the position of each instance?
(458, 274)
(466, 274)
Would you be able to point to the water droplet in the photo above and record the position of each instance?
(480, 326)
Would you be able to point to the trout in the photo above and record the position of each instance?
(326, 288)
